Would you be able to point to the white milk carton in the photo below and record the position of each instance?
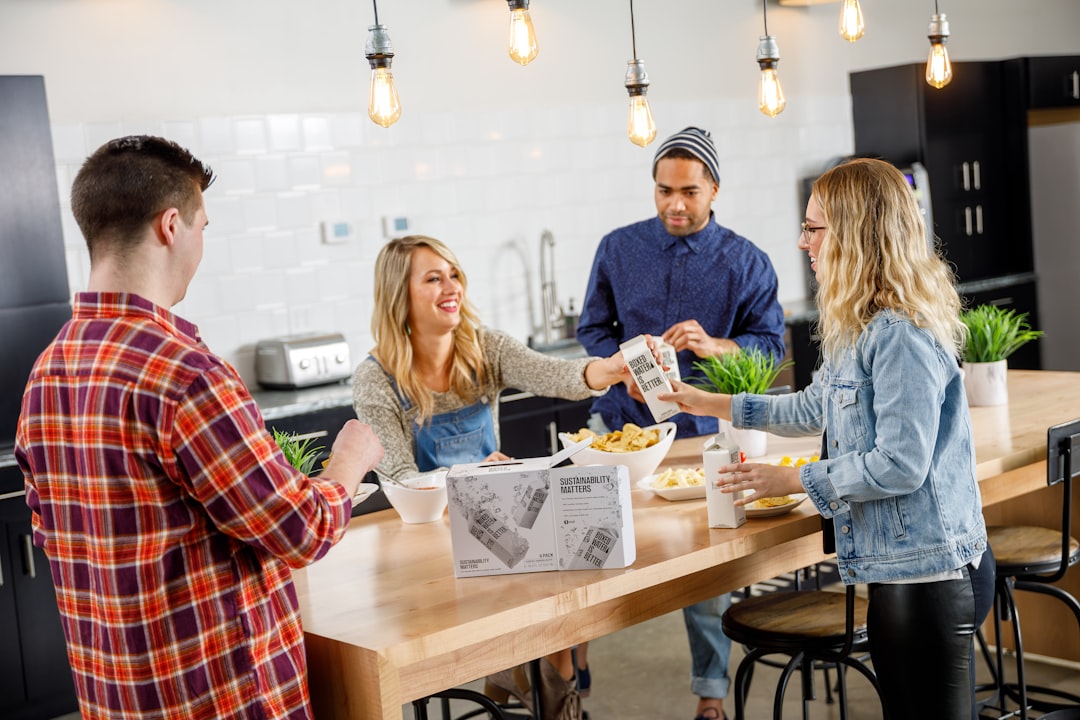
(528, 516)
(669, 358)
(649, 377)
(723, 513)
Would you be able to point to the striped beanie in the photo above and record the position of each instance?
(695, 141)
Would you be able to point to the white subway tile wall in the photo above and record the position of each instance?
(487, 183)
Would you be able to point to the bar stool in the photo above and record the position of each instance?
(1031, 558)
(810, 627)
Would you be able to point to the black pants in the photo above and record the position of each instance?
(921, 641)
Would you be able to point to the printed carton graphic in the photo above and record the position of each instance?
(525, 516)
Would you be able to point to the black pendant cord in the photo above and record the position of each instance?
(633, 34)
(765, 14)
(375, 6)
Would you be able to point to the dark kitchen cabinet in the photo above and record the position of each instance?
(34, 270)
(35, 678)
(1052, 81)
(965, 135)
(529, 425)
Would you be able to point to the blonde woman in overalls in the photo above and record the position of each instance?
(431, 385)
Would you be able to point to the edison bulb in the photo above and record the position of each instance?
(384, 107)
(770, 95)
(852, 26)
(938, 67)
(522, 46)
(640, 126)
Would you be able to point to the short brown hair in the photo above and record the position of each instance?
(127, 182)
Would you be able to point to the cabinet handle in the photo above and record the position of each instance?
(967, 221)
(967, 176)
(553, 437)
(1002, 302)
(301, 437)
(1076, 84)
(977, 175)
(978, 220)
(1, 572)
(28, 556)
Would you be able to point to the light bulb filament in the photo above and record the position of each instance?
(384, 107)
(640, 126)
(852, 26)
(522, 45)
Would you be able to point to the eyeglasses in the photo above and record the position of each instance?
(808, 229)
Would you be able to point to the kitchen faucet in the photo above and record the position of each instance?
(553, 316)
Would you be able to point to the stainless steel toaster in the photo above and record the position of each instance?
(297, 361)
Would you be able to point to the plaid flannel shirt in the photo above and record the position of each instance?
(170, 520)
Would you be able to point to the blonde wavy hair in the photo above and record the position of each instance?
(875, 256)
(390, 326)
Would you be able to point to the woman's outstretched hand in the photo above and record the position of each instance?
(698, 402)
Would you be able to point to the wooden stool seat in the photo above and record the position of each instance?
(809, 620)
(815, 628)
(1026, 549)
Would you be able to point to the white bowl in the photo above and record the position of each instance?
(641, 463)
(422, 500)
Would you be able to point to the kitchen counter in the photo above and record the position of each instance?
(386, 622)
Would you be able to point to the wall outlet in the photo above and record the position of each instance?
(337, 232)
(395, 226)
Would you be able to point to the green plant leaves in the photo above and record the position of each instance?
(995, 333)
(301, 454)
(749, 371)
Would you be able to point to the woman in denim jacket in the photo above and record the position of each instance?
(898, 475)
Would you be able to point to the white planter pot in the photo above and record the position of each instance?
(751, 442)
(986, 383)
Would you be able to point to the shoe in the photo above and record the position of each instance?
(584, 681)
(561, 699)
(712, 713)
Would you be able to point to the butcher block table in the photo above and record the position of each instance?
(386, 622)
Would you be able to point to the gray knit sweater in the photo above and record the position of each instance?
(509, 364)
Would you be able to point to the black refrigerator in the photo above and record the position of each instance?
(35, 679)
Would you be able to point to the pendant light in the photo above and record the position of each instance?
(640, 126)
(938, 67)
(384, 107)
(852, 26)
(770, 95)
(522, 44)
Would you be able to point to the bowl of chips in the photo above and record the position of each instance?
(640, 449)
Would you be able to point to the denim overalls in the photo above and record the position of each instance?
(460, 436)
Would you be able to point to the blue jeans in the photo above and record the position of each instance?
(709, 647)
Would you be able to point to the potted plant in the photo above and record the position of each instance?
(302, 453)
(994, 334)
(750, 371)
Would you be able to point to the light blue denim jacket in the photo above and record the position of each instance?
(899, 481)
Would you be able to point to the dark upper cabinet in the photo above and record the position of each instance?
(1052, 81)
(960, 134)
(34, 270)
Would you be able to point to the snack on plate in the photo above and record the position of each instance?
(679, 477)
(772, 502)
(630, 439)
(785, 461)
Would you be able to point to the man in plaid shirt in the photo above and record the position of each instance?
(169, 516)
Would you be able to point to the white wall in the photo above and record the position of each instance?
(487, 154)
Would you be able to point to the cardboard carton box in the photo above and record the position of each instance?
(527, 516)
(722, 510)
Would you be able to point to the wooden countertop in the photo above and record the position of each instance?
(386, 621)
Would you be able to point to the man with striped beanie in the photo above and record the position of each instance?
(707, 291)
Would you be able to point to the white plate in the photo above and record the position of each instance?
(363, 492)
(796, 500)
(693, 492)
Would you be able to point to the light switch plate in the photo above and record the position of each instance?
(337, 232)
